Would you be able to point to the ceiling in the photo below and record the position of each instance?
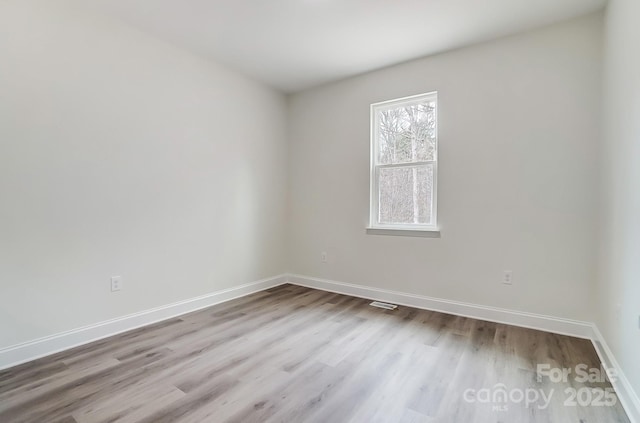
(297, 44)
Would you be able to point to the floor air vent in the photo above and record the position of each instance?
(386, 306)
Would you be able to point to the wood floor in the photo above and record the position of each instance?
(292, 354)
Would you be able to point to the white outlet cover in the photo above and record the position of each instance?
(116, 283)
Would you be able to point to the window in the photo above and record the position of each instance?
(404, 163)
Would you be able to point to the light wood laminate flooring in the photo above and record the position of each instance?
(293, 354)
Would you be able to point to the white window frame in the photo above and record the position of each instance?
(374, 207)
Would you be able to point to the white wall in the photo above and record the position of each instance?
(122, 155)
(519, 135)
(619, 285)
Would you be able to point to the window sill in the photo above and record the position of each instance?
(424, 233)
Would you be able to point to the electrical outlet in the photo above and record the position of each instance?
(507, 277)
(323, 257)
(116, 283)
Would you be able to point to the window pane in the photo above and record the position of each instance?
(405, 194)
(407, 134)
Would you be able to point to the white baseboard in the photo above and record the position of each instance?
(626, 394)
(21, 353)
(493, 314)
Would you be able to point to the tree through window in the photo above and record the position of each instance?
(404, 163)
